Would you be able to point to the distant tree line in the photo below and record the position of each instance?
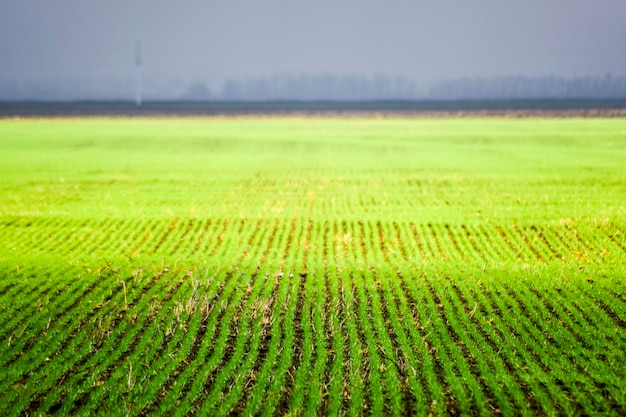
(320, 87)
(530, 88)
(354, 87)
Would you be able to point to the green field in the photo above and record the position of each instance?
(313, 266)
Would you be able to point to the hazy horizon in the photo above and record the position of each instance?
(73, 49)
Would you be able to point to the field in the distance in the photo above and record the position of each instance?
(307, 266)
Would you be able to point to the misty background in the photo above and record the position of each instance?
(322, 50)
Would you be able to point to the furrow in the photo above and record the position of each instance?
(512, 243)
(455, 244)
(144, 237)
(113, 235)
(281, 378)
(400, 240)
(164, 237)
(127, 237)
(47, 382)
(232, 339)
(504, 322)
(380, 297)
(174, 339)
(334, 372)
(616, 236)
(572, 244)
(511, 393)
(469, 389)
(77, 237)
(417, 241)
(207, 361)
(181, 379)
(203, 231)
(115, 372)
(418, 369)
(302, 352)
(7, 289)
(436, 246)
(597, 244)
(243, 392)
(474, 248)
(220, 239)
(549, 245)
(66, 302)
(27, 293)
(314, 402)
(99, 235)
(595, 366)
(528, 245)
(498, 243)
(55, 236)
(184, 238)
(546, 341)
(263, 364)
(610, 307)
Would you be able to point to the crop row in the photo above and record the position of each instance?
(204, 239)
(316, 332)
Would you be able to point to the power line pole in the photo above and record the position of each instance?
(138, 73)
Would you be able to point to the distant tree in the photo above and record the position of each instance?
(197, 91)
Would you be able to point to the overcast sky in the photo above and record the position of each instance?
(211, 41)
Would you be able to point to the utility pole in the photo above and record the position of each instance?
(138, 73)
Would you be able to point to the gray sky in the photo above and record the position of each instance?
(211, 41)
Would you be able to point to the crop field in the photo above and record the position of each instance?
(313, 266)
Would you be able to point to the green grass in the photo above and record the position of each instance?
(307, 266)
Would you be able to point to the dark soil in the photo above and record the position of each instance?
(466, 108)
